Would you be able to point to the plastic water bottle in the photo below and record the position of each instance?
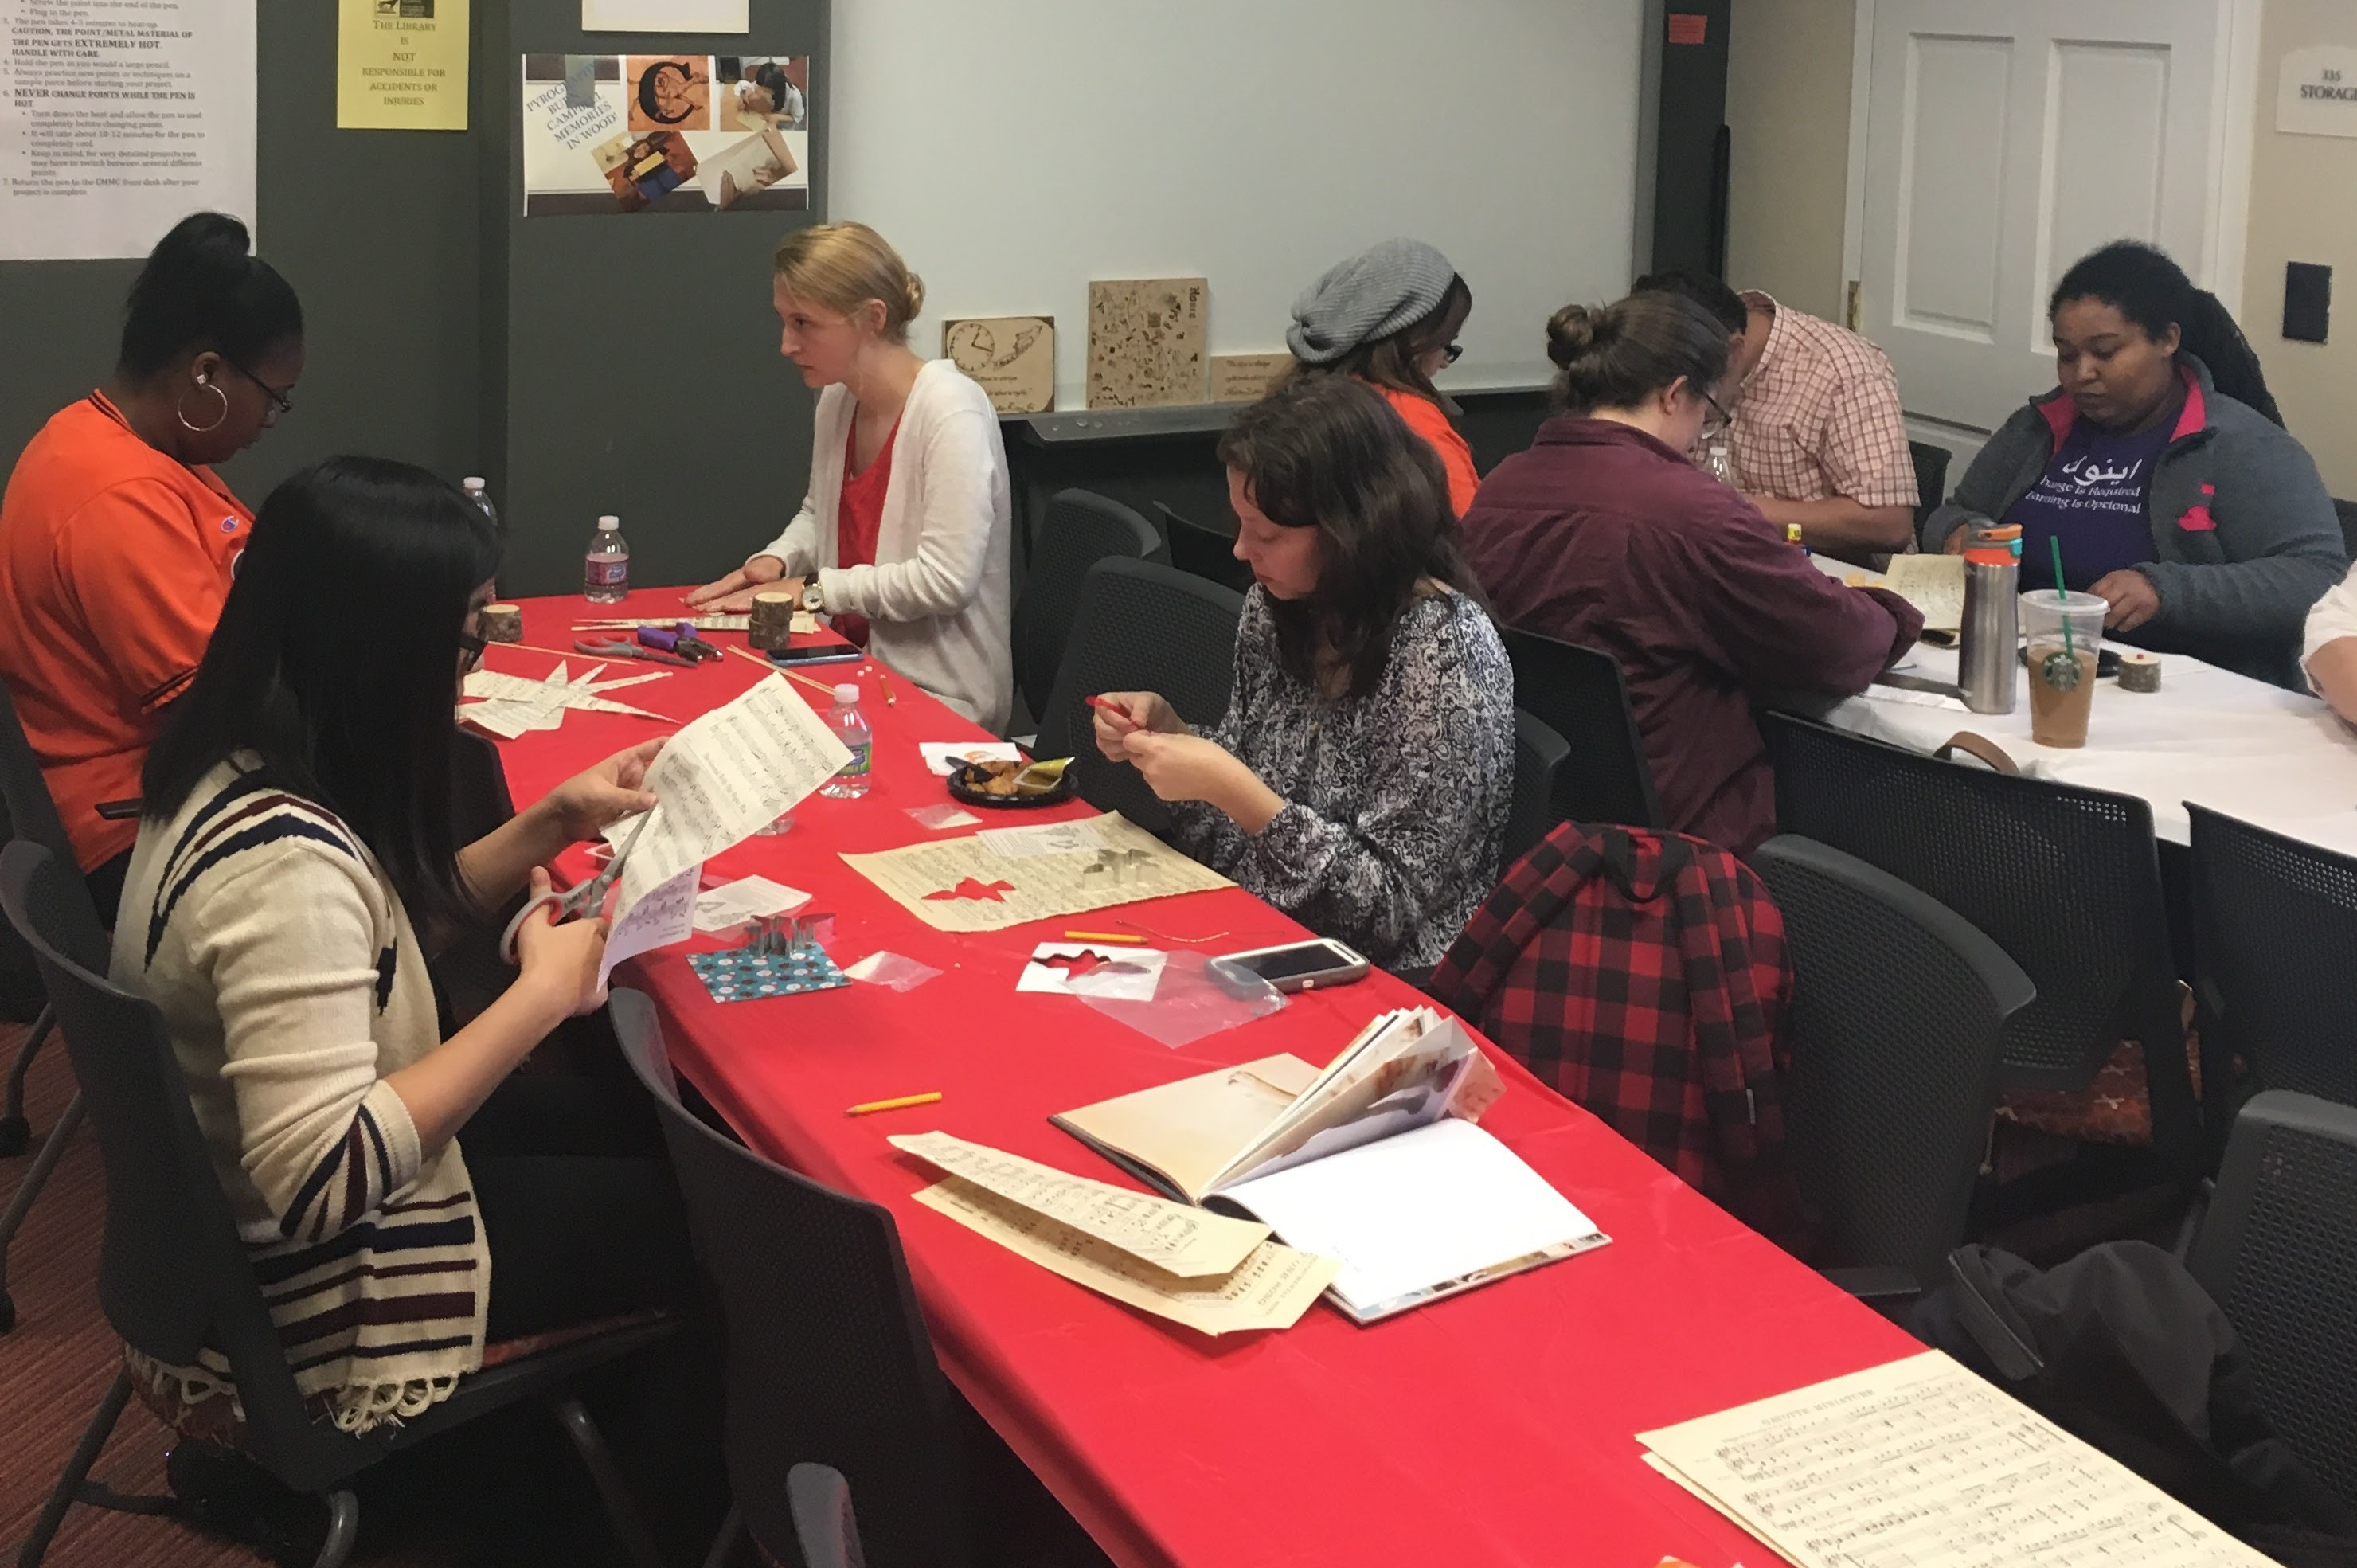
(481, 494)
(606, 571)
(850, 726)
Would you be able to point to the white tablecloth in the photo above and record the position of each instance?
(2238, 746)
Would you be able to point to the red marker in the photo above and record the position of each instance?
(1107, 705)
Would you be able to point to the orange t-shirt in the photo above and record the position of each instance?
(114, 560)
(1426, 419)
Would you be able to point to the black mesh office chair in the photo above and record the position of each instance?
(2347, 511)
(173, 1277)
(1207, 553)
(32, 816)
(1140, 627)
(1899, 1010)
(825, 1526)
(1579, 692)
(828, 1360)
(2275, 945)
(1539, 755)
(1080, 528)
(2065, 880)
(1931, 479)
(2277, 1251)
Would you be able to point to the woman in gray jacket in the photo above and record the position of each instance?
(2160, 467)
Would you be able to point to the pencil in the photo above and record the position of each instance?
(890, 701)
(905, 1101)
(767, 664)
(1103, 936)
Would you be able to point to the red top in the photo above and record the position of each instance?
(114, 560)
(859, 516)
(1601, 536)
(1430, 421)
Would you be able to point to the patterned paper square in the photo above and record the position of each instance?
(738, 976)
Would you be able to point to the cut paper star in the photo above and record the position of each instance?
(968, 887)
(510, 705)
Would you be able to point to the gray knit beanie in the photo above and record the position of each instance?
(1386, 287)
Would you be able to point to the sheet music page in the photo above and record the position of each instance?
(1174, 1238)
(1932, 584)
(1920, 1464)
(730, 773)
(1271, 1289)
(965, 885)
(666, 915)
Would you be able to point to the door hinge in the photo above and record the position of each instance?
(1856, 305)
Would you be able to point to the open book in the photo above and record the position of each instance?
(1374, 1161)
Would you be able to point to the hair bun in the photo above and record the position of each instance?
(914, 304)
(212, 235)
(1574, 331)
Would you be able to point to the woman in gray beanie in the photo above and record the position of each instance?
(1390, 316)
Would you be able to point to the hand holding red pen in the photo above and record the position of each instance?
(1121, 713)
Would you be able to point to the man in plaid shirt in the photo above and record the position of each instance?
(1813, 426)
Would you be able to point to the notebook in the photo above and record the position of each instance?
(1373, 1160)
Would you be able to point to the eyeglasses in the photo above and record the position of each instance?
(470, 651)
(1455, 351)
(281, 404)
(1723, 416)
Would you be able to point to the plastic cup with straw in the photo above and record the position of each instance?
(2062, 670)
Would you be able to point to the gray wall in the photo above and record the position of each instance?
(621, 364)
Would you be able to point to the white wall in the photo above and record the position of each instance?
(1014, 149)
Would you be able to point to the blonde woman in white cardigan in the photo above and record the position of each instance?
(902, 540)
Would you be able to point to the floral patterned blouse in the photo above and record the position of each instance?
(1394, 799)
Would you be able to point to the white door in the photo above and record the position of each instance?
(2006, 139)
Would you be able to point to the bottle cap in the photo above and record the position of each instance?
(472, 482)
(847, 692)
(610, 524)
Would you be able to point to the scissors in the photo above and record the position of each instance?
(587, 899)
(614, 650)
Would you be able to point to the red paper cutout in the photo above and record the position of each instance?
(968, 887)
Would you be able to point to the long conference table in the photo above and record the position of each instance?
(1497, 1428)
(2268, 755)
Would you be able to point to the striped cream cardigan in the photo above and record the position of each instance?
(292, 985)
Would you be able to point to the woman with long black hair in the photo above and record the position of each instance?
(2160, 468)
(1360, 778)
(296, 840)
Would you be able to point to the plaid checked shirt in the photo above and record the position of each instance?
(1818, 417)
(1644, 976)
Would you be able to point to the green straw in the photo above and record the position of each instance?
(2062, 595)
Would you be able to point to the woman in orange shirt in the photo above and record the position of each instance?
(117, 540)
(1390, 316)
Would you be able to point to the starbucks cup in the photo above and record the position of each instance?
(2061, 669)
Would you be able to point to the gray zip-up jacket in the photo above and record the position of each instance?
(2245, 538)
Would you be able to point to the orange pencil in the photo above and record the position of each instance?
(890, 701)
(873, 1106)
(1104, 937)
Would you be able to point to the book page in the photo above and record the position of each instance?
(1403, 1071)
(1920, 1464)
(1271, 1289)
(1172, 1237)
(728, 774)
(1932, 584)
(1418, 1214)
(1186, 1132)
(964, 885)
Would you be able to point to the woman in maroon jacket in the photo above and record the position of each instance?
(1603, 533)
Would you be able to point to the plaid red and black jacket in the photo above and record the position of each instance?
(1644, 976)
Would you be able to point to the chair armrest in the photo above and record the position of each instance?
(1875, 1282)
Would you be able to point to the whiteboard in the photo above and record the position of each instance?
(1012, 150)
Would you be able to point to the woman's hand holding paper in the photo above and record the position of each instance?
(585, 805)
(733, 594)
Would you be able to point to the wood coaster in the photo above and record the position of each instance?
(2139, 671)
(500, 623)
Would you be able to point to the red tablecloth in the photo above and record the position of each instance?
(1495, 1428)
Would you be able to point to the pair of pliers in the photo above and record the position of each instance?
(682, 641)
(587, 899)
(631, 650)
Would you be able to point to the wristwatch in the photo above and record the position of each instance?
(813, 600)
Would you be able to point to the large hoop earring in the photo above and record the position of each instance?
(218, 420)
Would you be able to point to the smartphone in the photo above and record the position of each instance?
(823, 653)
(1297, 966)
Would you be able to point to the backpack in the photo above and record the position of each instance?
(1643, 977)
(2121, 1347)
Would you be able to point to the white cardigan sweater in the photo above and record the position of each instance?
(936, 600)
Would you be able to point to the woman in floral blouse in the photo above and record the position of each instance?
(1360, 778)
